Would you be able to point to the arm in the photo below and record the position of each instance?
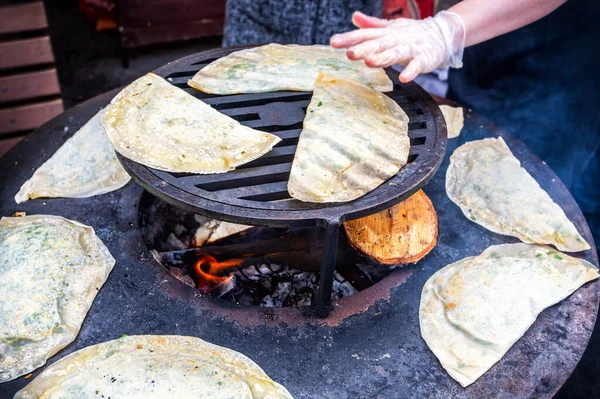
(424, 45)
(486, 19)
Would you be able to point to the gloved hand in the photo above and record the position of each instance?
(420, 45)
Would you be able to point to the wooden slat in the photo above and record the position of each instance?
(29, 85)
(22, 17)
(29, 116)
(7, 144)
(26, 52)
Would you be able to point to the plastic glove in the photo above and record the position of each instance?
(420, 45)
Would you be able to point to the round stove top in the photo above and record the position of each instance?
(370, 346)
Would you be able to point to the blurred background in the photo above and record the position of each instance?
(54, 54)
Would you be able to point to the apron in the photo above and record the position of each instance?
(541, 83)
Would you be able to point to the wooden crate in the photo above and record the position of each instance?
(29, 88)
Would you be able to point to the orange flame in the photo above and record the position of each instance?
(210, 276)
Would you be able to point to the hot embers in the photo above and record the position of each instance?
(253, 265)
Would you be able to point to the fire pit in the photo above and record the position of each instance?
(369, 346)
(270, 267)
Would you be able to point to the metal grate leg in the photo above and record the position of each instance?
(332, 236)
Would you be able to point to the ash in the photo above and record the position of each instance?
(276, 286)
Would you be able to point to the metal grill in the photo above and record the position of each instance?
(256, 193)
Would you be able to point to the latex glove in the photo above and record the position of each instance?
(420, 45)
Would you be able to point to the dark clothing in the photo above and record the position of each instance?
(291, 21)
(541, 83)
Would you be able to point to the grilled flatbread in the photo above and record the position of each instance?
(154, 366)
(85, 165)
(159, 125)
(474, 310)
(353, 139)
(489, 185)
(455, 120)
(283, 67)
(51, 269)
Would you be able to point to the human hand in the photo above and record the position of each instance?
(420, 45)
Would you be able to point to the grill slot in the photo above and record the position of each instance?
(240, 174)
(412, 158)
(417, 141)
(259, 192)
(205, 62)
(246, 117)
(274, 128)
(276, 196)
(253, 100)
(412, 113)
(417, 125)
(277, 155)
(180, 74)
(245, 180)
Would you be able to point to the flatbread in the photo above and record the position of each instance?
(455, 120)
(154, 366)
(353, 139)
(85, 165)
(474, 310)
(283, 67)
(159, 125)
(489, 185)
(51, 269)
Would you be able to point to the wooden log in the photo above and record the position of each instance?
(24, 86)
(401, 234)
(22, 17)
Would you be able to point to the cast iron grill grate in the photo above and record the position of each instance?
(256, 193)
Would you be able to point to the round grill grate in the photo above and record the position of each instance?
(256, 193)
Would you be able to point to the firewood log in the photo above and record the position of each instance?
(402, 234)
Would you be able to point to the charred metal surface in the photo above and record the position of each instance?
(372, 350)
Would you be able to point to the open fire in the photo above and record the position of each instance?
(252, 266)
(211, 275)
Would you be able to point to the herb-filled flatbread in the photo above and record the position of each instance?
(154, 367)
(474, 310)
(159, 125)
(51, 269)
(85, 165)
(353, 139)
(283, 67)
(492, 189)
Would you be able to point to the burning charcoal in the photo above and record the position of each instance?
(265, 270)
(275, 268)
(179, 230)
(304, 299)
(268, 302)
(175, 242)
(267, 284)
(250, 273)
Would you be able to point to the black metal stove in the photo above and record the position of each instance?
(369, 347)
(256, 193)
